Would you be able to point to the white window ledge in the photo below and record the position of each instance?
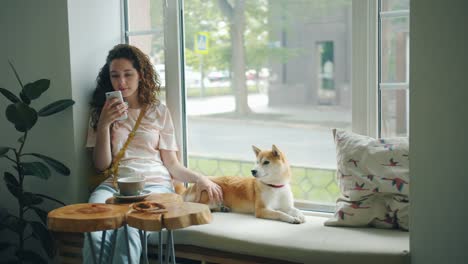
(311, 242)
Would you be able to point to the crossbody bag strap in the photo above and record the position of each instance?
(114, 168)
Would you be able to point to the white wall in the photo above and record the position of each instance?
(34, 38)
(66, 42)
(94, 28)
(439, 131)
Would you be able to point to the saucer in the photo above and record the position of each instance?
(141, 196)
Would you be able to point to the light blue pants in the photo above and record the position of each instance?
(100, 195)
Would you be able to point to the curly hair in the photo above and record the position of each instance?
(148, 88)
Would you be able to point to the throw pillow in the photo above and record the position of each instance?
(373, 176)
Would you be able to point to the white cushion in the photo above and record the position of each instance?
(311, 242)
(373, 176)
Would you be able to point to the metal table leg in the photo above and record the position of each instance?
(103, 239)
(144, 247)
(160, 247)
(128, 244)
(171, 234)
(145, 237)
(170, 252)
(91, 245)
(113, 241)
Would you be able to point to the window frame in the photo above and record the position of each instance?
(365, 69)
(388, 86)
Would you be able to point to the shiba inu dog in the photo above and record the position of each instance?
(268, 194)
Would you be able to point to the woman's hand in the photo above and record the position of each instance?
(180, 173)
(214, 191)
(111, 111)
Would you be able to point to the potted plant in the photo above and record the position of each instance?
(23, 116)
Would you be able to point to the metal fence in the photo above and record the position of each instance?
(310, 184)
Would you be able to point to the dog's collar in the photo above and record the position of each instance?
(274, 185)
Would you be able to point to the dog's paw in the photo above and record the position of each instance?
(295, 220)
(301, 218)
(220, 208)
(298, 215)
(224, 209)
(292, 219)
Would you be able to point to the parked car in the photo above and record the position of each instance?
(192, 78)
(218, 76)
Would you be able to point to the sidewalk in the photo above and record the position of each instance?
(222, 106)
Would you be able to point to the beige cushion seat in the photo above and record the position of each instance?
(311, 242)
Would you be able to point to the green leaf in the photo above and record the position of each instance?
(5, 245)
(10, 179)
(50, 198)
(56, 107)
(16, 73)
(30, 256)
(4, 150)
(14, 190)
(55, 164)
(35, 89)
(3, 214)
(31, 199)
(15, 224)
(38, 169)
(10, 261)
(25, 99)
(9, 95)
(41, 214)
(40, 232)
(22, 116)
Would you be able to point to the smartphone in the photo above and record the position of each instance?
(117, 94)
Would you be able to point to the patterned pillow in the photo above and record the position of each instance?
(373, 176)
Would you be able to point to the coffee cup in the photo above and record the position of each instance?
(130, 186)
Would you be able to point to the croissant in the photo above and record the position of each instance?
(148, 206)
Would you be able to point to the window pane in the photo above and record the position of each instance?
(286, 82)
(394, 50)
(151, 44)
(394, 5)
(395, 115)
(145, 15)
(394, 68)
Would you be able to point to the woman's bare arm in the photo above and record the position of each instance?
(183, 174)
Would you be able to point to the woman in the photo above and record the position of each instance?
(151, 153)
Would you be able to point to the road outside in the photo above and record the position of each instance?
(303, 133)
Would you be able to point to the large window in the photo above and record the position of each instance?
(284, 81)
(263, 72)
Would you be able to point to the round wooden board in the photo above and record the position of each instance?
(186, 214)
(86, 217)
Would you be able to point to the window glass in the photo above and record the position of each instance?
(147, 15)
(394, 5)
(263, 73)
(394, 68)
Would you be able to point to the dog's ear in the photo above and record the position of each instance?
(256, 150)
(276, 150)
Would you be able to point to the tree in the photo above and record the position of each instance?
(236, 16)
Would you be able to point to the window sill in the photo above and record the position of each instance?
(311, 242)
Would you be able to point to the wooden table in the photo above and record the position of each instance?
(179, 215)
(87, 218)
